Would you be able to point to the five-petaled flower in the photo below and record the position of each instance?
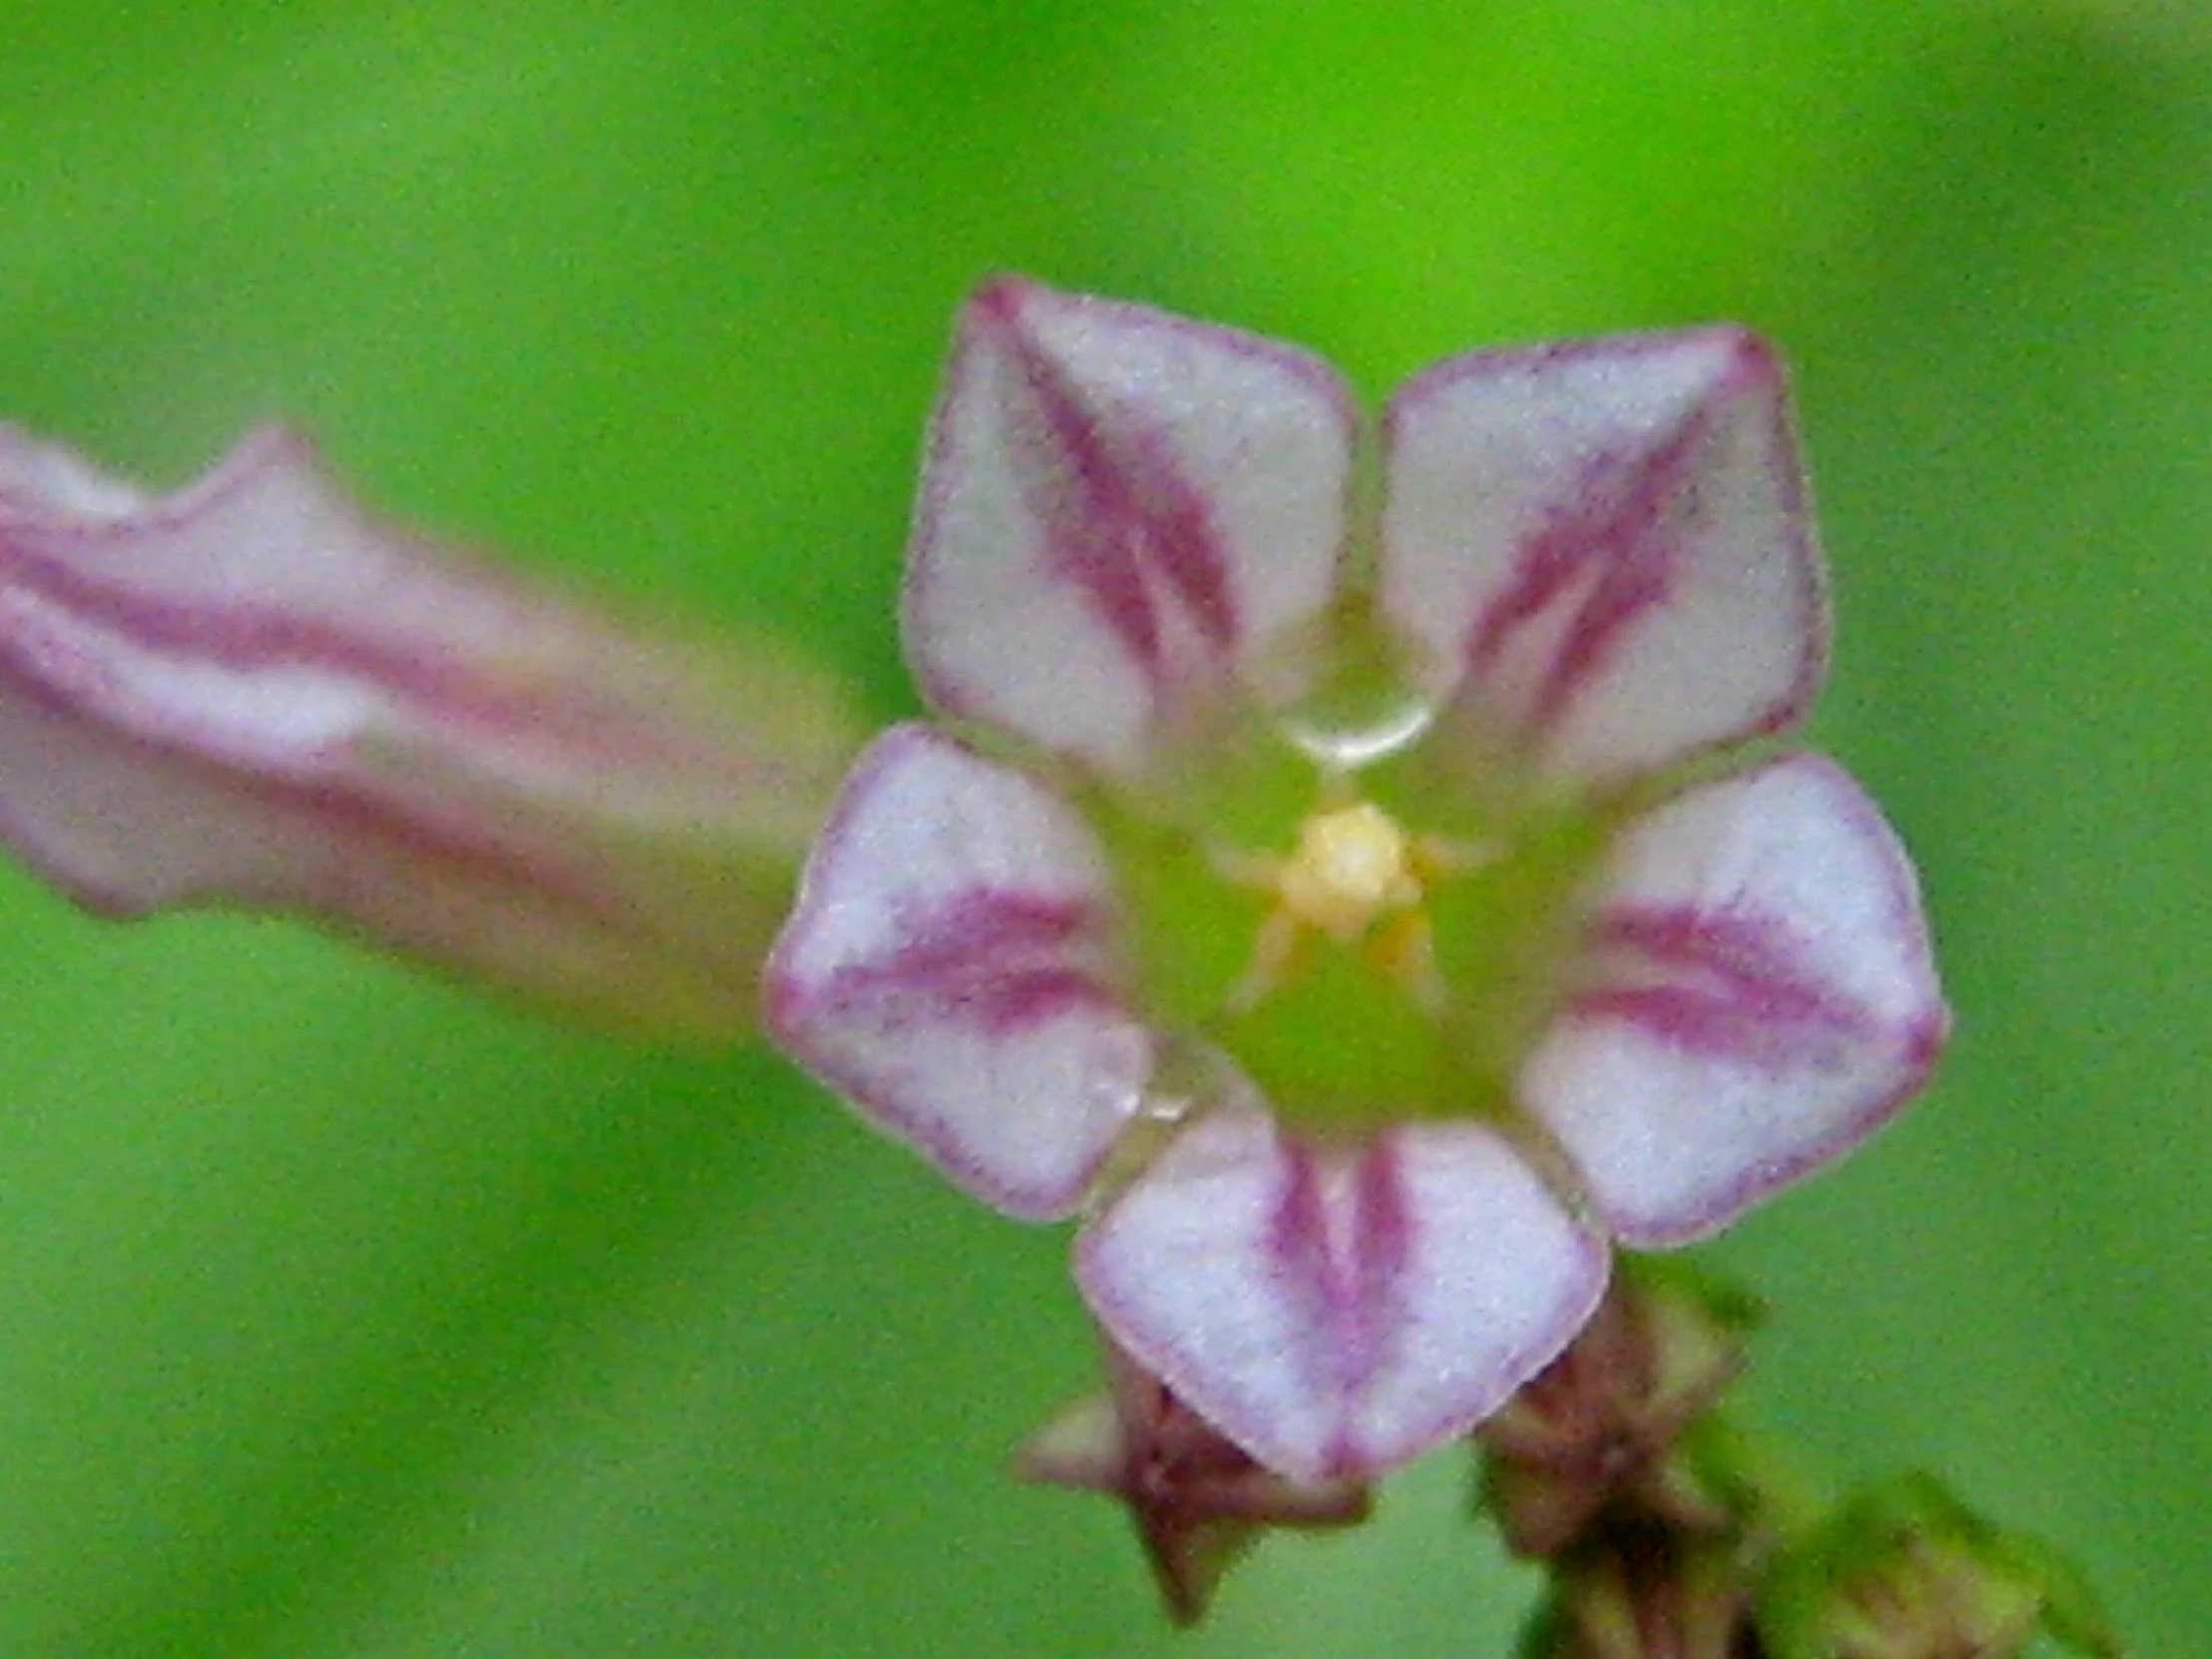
(1353, 898)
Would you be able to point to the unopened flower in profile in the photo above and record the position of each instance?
(1197, 1501)
(1358, 903)
(252, 693)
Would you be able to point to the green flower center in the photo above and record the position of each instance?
(1368, 944)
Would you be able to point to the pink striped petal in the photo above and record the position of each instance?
(1605, 548)
(950, 968)
(1119, 510)
(252, 693)
(1760, 997)
(1337, 1310)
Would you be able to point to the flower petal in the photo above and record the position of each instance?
(1336, 1311)
(1119, 509)
(949, 967)
(1760, 997)
(252, 693)
(1605, 549)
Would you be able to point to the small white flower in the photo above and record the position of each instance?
(1361, 929)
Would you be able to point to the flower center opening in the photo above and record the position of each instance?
(1387, 950)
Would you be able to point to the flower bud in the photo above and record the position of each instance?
(250, 693)
(1198, 1502)
(1905, 1571)
(1605, 1429)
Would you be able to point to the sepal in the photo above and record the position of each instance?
(1642, 1595)
(1197, 1501)
(1607, 1434)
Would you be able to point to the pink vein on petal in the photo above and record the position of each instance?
(451, 843)
(1612, 545)
(44, 559)
(1341, 1233)
(1302, 1239)
(1000, 960)
(1381, 1247)
(1116, 507)
(1719, 986)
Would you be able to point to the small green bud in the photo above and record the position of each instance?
(1905, 1571)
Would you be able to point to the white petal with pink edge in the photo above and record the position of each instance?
(949, 967)
(1337, 1311)
(1604, 548)
(1759, 997)
(1119, 510)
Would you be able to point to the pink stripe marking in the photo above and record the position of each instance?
(1123, 522)
(1298, 1241)
(35, 557)
(1612, 543)
(475, 853)
(1728, 986)
(1002, 961)
(1344, 1239)
(1382, 1245)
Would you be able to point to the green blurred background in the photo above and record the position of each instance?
(342, 1314)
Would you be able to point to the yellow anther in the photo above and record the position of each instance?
(1352, 865)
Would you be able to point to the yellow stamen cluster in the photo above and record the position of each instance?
(1352, 865)
(1358, 880)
